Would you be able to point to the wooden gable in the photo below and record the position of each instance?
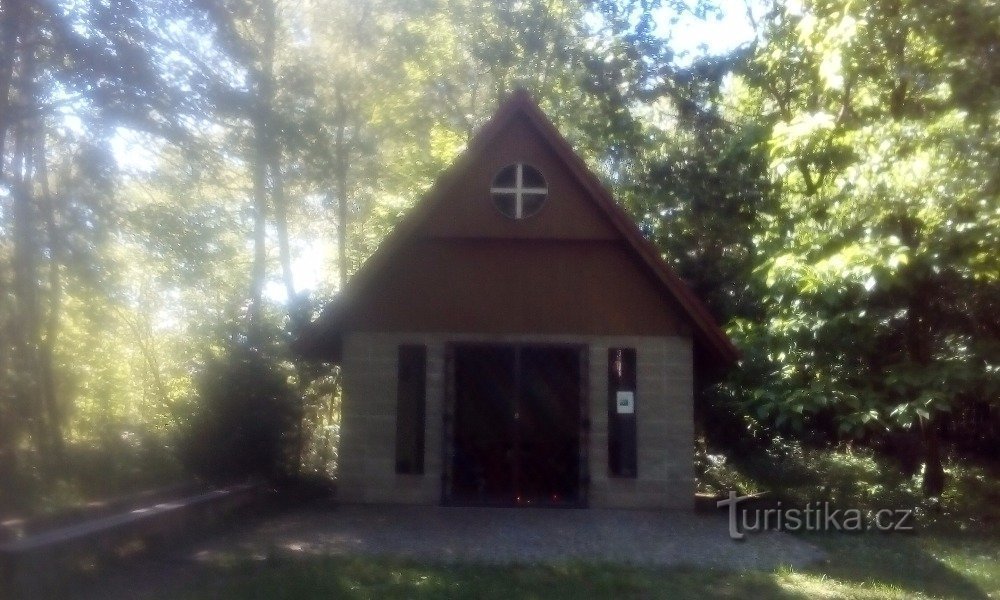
(469, 212)
(457, 265)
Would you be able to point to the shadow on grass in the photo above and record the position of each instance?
(955, 554)
(382, 578)
(874, 566)
(912, 564)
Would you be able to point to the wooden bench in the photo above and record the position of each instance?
(33, 564)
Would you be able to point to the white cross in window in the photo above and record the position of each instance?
(519, 190)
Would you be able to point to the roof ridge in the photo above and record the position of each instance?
(520, 100)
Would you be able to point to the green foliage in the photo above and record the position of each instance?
(858, 477)
(700, 190)
(247, 418)
(879, 285)
(716, 474)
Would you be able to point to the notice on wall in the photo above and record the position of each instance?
(625, 403)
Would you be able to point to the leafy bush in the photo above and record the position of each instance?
(246, 421)
(717, 475)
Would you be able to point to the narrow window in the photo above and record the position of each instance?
(410, 408)
(621, 412)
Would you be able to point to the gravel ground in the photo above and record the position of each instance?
(515, 535)
(478, 535)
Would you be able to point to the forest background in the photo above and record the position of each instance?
(184, 183)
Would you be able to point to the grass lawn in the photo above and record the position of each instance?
(932, 565)
(956, 553)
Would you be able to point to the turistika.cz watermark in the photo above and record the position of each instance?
(815, 516)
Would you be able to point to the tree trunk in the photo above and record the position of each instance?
(281, 225)
(11, 417)
(258, 270)
(933, 483)
(11, 12)
(274, 154)
(27, 286)
(341, 162)
(260, 120)
(53, 321)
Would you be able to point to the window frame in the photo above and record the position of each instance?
(519, 190)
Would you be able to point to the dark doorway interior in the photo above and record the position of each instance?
(517, 425)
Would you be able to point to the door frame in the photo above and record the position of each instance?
(448, 410)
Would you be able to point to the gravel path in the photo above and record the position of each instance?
(515, 535)
(479, 535)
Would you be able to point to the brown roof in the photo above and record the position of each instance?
(321, 338)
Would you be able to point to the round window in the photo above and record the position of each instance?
(519, 190)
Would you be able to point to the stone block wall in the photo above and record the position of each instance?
(664, 416)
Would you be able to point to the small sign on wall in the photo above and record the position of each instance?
(625, 403)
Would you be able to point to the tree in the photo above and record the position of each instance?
(67, 79)
(881, 282)
(246, 417)
(702, 184)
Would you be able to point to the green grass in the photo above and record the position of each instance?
(956, 553)
(928, 565)
(366, 578)
(875, 566)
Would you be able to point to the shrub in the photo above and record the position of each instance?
(246, 419)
